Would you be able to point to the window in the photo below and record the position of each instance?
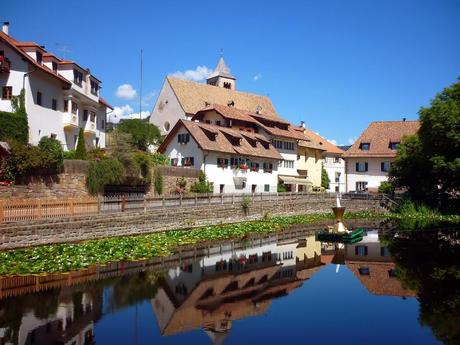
(103, 124)
(288, 146)
(288, 164)
(361, 186)
(166, 126)
(337, 177)
(277, 144)
(364, 271)
(54, 104)
(227, 85)
(92, 116)
(384, 251)
(365, 146)
(54, 64)
(361, 250)
(385, 166)
(361, 166)
(207, 121)
(85, 115)
(337, 188)
(221, 188)
(187, 161)
(392, 273)
(393, 145)
(336, 159)
(268, 167)
(222, 162)
(39, 98)
(183, 138)
(181, 289)
(218, 122)
(74, 108)
(7, 92)
(77, 77)
(94, 87)
(287, 255)
(39, 58)
(53, 136)
(254, 166)
(66, 106)
(221, 265)
(266, 188)
(174, 162)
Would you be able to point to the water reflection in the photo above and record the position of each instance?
(209, 287)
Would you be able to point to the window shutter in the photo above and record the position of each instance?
(365, 164)
(365, 250)
(382, 166)
(357, 166)
(356, 250)
(192, 161)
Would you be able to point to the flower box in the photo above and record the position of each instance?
(243, 167)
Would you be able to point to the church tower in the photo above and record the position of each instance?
(222, 77)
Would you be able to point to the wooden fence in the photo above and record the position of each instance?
(31, 209)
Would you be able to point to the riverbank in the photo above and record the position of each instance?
(73, 256)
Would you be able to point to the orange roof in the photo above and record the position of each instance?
(323, 143)
(104, 102)
(379, 135)
(15, 45)
(225, 140)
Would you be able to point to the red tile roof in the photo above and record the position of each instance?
(379, 135)
(225, 140)
(16, 46)
(323, 143)
(104, 102)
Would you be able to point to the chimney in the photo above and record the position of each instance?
(404, 119)
(302, 124)
(5, 27)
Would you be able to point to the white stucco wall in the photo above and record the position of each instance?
(374, 176)
(166, 109)
(43, 120)
(207, 162)
(332, 168)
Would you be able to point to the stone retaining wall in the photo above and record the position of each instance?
(25, 234)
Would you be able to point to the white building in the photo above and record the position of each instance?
(235, 162)
(369, 159)
(60, 96)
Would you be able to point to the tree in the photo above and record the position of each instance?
(324, 178)
(202, 186)
(53, 150)
(103, 172)
(143, 133)
(428, 164)
(80, 152)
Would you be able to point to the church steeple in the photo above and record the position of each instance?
(221, 76)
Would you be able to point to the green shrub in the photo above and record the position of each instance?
(69, 154)
(245, 202)
(158, 181)
(103, 172)
(281, 188)
(202, 186)
(80, 152)
(95, 153)
(386, 187)
(325, 181)
(53, 152)
(160, 159)
(143, 162)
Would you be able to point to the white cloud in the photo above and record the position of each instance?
(125, 112)
(200, 73)
(126, 91)
(257, 76)
(351, 141)
(332, 141)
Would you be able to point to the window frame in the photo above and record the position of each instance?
(10, 93)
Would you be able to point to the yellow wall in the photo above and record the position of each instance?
(311, 160)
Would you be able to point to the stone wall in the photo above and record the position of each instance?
(17, 235)
(53, 186)
(170, 177)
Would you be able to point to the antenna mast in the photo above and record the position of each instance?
(140, 92)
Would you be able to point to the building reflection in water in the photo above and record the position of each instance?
(208, 288)
(232, 284)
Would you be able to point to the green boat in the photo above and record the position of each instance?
(347, 238)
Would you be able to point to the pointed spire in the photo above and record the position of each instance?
(222, 70)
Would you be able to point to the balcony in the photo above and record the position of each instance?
(5, 65)
(70, 121)
(90, 128)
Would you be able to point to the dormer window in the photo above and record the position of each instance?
(231, 103)
(393, 145)
(365, 146)
(94, 87)
(39, 57)
(54, 64)
(227, 85)
(77, 77)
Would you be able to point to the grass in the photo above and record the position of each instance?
(73, 256)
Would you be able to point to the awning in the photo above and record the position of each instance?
(295, 180)
(239, 181)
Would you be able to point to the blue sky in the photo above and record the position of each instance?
(335, 64)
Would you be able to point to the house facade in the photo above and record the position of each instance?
(60, 96)
(369, 159)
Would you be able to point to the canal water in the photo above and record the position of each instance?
(393, 287)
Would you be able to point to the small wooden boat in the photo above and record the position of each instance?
(346, 237)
